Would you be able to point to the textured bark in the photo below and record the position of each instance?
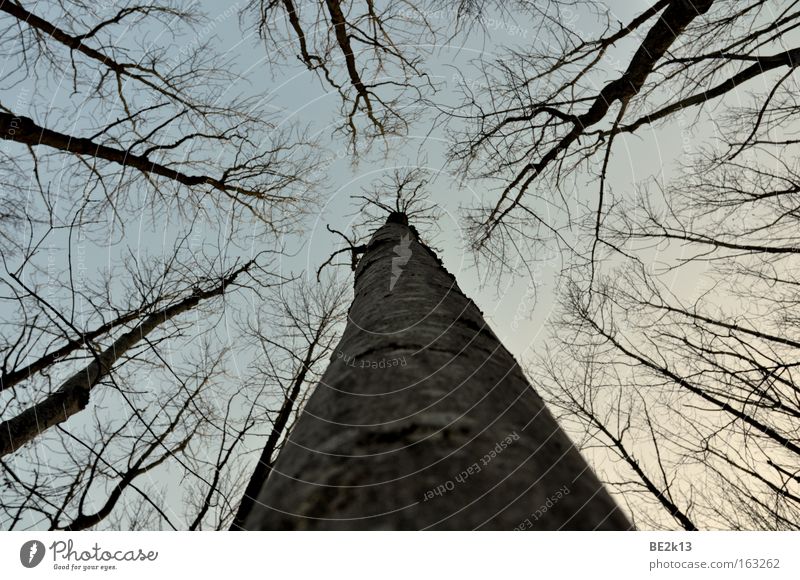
(73, 394)
(418, 394)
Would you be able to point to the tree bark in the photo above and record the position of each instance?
(423, 420)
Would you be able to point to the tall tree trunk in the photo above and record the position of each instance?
(424, 420)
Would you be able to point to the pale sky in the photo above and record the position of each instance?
(508, 302)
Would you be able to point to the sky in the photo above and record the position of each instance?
(517, 309)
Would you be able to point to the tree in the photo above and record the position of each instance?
(672, 359)
(540, 118)
(72, 396)
(371, 55)
(675, 348)
(614, 415)
(308, 324)
(117, 374)
(190, 145)
(324, 32)
(94, 377)
(727, 353)
(424, 420)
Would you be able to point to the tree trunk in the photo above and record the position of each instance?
(424, 420)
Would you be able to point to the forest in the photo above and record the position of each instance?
(399, 265)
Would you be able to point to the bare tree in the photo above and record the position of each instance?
(676, 343)
(675, 352)
(371, 55)
(733, 345)
(365, 53)
(424, 420)
(403, 191)
(72, 396)
(697, 394)
(123, 369)
(300, 337)
(613, 414)
(79, 478)
(540, 117)
(155, 118)
(112, 378)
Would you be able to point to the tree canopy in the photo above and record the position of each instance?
(188, 187)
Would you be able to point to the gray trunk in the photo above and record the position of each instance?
(424, 420)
